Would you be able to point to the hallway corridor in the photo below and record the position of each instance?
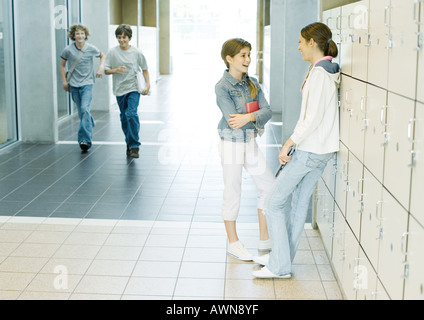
(101, 226)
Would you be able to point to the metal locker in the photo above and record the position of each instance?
(354, 204)
(414, 265)
(365, 278)
(325, 214)
(352, 115)
(360, 40)
(329, 175)
(350, 263)
(342, 179)
(332, 18)
(356, 126)
(371, 224)
(402, 53)
(338, 255)
(397, 170)
(420, 49)
(380, 293)
(378, 56)
(346, 34)
(417, 163)
(375, 130)
(391, 258)
(345, 108)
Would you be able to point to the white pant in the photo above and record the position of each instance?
(234, 157)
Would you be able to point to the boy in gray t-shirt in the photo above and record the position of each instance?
(77, 69)
(124, 62)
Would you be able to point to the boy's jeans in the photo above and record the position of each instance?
(287, 206)
(130, 122)
(82, 96)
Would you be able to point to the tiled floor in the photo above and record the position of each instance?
(100, 226)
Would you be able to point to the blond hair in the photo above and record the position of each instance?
(233, 47)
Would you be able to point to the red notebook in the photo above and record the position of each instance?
(252, 106)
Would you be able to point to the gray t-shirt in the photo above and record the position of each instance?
(84, 72)
(134, 60)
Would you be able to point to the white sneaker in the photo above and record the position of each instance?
(239, 251)
(262, 260)
(264, 245)
(265, 273)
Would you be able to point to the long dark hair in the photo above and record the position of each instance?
(322, 35)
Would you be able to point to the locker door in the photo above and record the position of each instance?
(354, 204)
(403, 55)
(371, 217)
(346, 37)
(351, 251)
(342, 178)
(379, 22)
(420, 44)
(417, 203)
(325, 215)
(329, 175)
(414, 275)
(346, 93)
(380, 293)
(391, 258)
(357, 124)
(338, 254)
(397, 171)
(366, 278)
(376, 102)
(360, 40)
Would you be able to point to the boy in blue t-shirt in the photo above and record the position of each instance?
(77, 69)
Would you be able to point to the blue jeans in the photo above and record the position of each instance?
(82, 96)
(130, 122)
(287, 207)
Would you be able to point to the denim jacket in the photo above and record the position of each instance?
(232, 97)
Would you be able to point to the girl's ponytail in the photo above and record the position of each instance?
(253, 88)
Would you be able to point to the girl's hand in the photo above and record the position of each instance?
(238, 121)
(283, 157)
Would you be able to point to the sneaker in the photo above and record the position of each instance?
(262, 260)
(239, 251)
(264, 245)
(265, 273)
(84, 146)
(134, 153)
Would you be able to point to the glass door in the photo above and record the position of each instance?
(8, 118)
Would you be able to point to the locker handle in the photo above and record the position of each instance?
(383, 115)
(379, 218)
(363, 104)
(390, 41)
(403, 243)
(386, 139)
(416, 11)
(419, 41)
(366, 124)
(386, 10)
(413, 159)
(410, 131)
(405, 270)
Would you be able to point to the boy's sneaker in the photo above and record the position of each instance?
(265, 273)
(134, 153)
(84, 146)
(239, 251)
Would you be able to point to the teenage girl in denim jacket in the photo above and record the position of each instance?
(238, 130)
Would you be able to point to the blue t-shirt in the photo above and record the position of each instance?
(84, 72)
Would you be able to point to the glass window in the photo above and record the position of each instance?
(8, 119)
(200, 27)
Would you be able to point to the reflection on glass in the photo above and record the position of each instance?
(8, 123)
